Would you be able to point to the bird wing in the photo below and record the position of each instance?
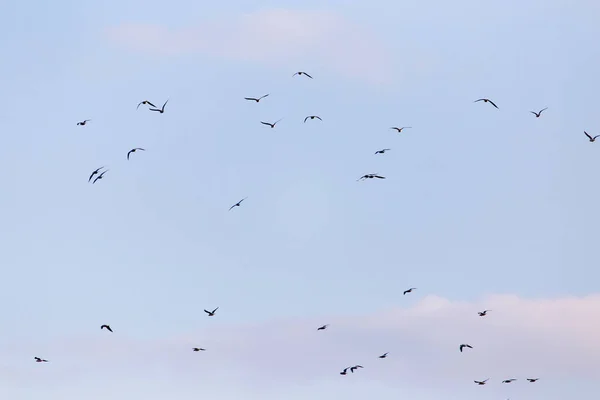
(215, 310)
(128, 153)
(138, 106)
(543, 109)
(266, 123)
(206, 311)
(306, 119)
(163, 107)
(587, 134)
(494, 104)
(596, 137)
(533, 112)
(109, 329)
(262, 97)
(293, 76)
(92, 175)
(139, 148)
(379, 177)
(242, 200)
(250, 98)
(153, 109)
(479, 100)
(277, 121)
(319, 118)
(308, 75)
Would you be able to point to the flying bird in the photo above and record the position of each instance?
(462, 346)
(400, 129)
(592, 139)
(94, 173)
(322, 328)
(160, 110)
(198, 349)
(531, 380)
(302, 73)
(37, 359)
(384, 355)
(211, 313)
(509, 380)
(145, 102)
(134, 150)
(481, 383)
(271, 125)
(537, 114)
(100, 176)
(371, 176)
(483, 313)
(85, 121)
(256, 99)
(313, 117)
(381, 151)
(344, 372)
(355, 367)
(237, 204)
(107, 327)
(409, 290)
(487, 101)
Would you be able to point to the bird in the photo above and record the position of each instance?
(237, 204)
(302, 73)
(381, 151)
(531, 380)
(384, 355)
(107, 327)
(145, 102)
(481, 383)
(400, 129)
(483, 313)
(211, 313)
(271, 125)
(323, 327)
(160, 110)
(371, 176)
(198, 349)
(256, 99)
(509, 380)
(487, 101)
(592, 139)
(462, 346)
(312, 117)
(94, 173)
(355, 367)
(344, 372)
(85, 121)
(100, 176)
(537, 114)
(134, 150)
(409, 290)
(37, 359)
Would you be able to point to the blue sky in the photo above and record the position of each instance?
(480, 206)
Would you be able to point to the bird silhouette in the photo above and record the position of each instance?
(237, 204)
(483, 313)
(487, 101)
(531, 380)
(400, 129)
(382, 151)
(481, 383)
(272, 125)
(592, 139)
(323, 327)
(355, 367)
(509, 380)
(107, 327)
(211, 313)
(537, 114)
(409, 290)
(462, 346)
(37, 359)
(344, 372)
(145, 102)
(134, 150)
(82, 123)
(300, 73)
(370, 176)
(100, 176)
(198, 349)
(312, 117)
(256, 99)
(384, 355)
(160, 110)
(94, 173)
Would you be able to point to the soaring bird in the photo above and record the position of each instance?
(198, 349)
(134, 150)
(107, 327)
(237, 204)
(145, 102)
(384, 355)
(313, 117)
(211, 313)
(272, 125)
(537, 114)
(371, 176)
(487, 101)
(409, 290)
(37, 359)
(509, 380)
(531, 380)
(481, 383)
(302, 73)
(462, 346)
(483, 313)
(400, 129)
(256, 99)
(592, 139)
(85, 121)
(94, 173)
(160, 110)
(322, 328)
(355, 367)
(100, 176)
(344, 372)
(381, 151)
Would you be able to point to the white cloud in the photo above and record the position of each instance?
(285, 38)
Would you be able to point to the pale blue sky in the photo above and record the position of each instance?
(477, 201)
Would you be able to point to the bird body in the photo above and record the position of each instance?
(323, 327)
(211, 313)
(462, 346)
(312, 117)
(382, 151)
(370, 176)
(256, 99)
(94, 173)
(592, 139)
(145, 102)
(481, 383)
(400, 129)
(272, 125)
(107, 327)
(355, 367)
(237, 204)
(198, 349)
(487, 101)
(100, 176)
(160, 110)
(537, 114)
(82, 123)
(384, 355)
(38, 359)
(300, 73)
(133, 151)
(344, 372)
(531, 380)
(509, 380)
(483, 313)
(409, 290)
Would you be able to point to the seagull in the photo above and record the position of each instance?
(409, 290)
(160, 110)
(355, 367)
(237, 204)
(37, 359)
(592, 139)
(107, 327)
(256, 99)
(313, 117)
(94, 173)
(486, 101)
(400, 129)
(531, 380)
(100, 176)
(481, 383)
(384, 355)
(483, 313)
(145, 102)
(198, 349)
(371, 176)
(133, 151)
(344, 372)
(509, 380)
(322, 328)
(381, 151)
(271, 125)
(211, 313)
(462, 346)
(85, 121)
(537, 114)
(302, 73)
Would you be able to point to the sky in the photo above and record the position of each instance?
(481, 208)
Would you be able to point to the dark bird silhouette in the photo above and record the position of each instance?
(312, 117)
(483, 313)
(94, 173)
(355, 367)
(322, 328)
(160, 110)
(302, 73)
(237, 204)
(145, 102)
(384, 355)
(134, 150)
(371, 176)
(592, 139)
(211, 313)
(37, 359)
(256, 99)
(272, 125)
(382, 151)
(82, 123)
(509, 380)
(481, 383)
(107, 327)
(100, 176)
(344, 372)
(487, 101)
(400, 129)
(409, 290)
(462, 346)
(537, 114)
(531, 380)
(198, 349)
